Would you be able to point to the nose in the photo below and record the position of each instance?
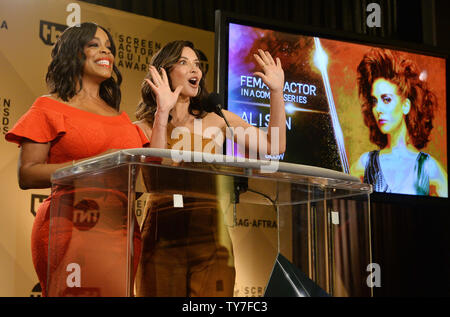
(379, 107)
(105, 50)
(194, 68)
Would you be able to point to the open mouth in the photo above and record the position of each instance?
(193, 81)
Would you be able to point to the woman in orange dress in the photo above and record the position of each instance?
(79, 119)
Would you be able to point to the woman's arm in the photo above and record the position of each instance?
(33, 171)
(273, 77)
(275, 138)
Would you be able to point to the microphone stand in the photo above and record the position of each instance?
(240, 183)
(220, 113)
(229, 128)
(214, 104)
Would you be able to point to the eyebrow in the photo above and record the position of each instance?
(383, 94)
(96, 38)
(195, 60)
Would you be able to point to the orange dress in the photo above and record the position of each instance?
(73, 134)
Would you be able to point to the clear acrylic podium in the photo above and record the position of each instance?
(317, 220)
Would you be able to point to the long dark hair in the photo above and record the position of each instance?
(404, 73)
(66, 68)
(166, 57)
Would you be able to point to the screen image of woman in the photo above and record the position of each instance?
(398, 107)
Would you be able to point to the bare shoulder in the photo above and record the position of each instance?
(235, 120)
(214, 120)
(434, 167)
(141, 122)
(363, 159)
(359, 166)
(230, 114)
(438, 178)
(144, 125)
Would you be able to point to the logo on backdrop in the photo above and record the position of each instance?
(36, 200)
(6, 107)
(36, 291)
(256, 223)
(249, 291)
(86, 214)
(135, 53)
(4, 25)
(49, 31)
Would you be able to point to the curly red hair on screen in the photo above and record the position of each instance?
(404, 73)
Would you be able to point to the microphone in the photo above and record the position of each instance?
(214, 104)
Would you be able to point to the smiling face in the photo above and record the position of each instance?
(186, 72)
(99, 59)
(388, 107)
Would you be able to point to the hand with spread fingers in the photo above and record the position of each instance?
(165, 97)
(273, 74)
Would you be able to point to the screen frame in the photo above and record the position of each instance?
(224, 18)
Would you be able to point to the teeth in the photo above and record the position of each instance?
(103, 62)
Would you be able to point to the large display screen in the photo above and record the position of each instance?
(377, 113)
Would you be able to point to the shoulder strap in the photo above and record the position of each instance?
(422, 181)
(373, 174)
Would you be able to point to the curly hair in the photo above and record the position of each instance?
(66, 68)
(165, 58)
(394, 67)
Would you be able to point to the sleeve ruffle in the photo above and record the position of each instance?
(38, 126)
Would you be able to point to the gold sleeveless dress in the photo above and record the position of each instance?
(181, 254)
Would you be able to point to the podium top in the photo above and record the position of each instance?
(217, 164)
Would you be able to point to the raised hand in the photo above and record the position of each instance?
(273, 74)
(165, 97)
